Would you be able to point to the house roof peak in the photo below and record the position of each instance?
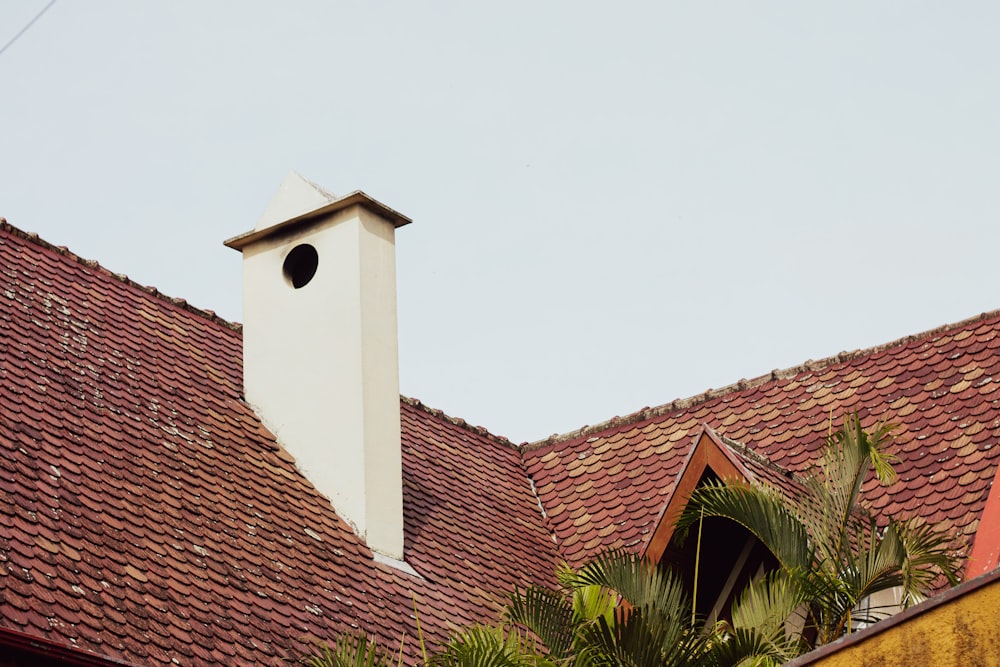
(743, 384)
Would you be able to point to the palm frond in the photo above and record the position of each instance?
(591, 602)
(652, 626)
(850, 454)
(642, 638)
(491, 646)
(874, 564)
(929, 554)
(546, 613)
(748, 647)
(761, 510)
(826, 540)
(352, 649)
(767, 603)
(637, 581)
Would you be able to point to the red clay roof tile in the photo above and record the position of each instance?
(153, 518)
(149, 516)
(939, 386)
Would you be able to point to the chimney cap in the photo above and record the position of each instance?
(303, 201)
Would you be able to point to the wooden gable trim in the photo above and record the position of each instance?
(708, 452)
(985, 555)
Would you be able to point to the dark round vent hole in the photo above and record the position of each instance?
(300, 265)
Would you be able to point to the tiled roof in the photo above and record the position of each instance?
(763, 470)
(605, 486)
(146, 515)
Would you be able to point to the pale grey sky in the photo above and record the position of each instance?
(615, 204)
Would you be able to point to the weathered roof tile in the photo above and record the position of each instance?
(149, 516)
(152, 516)
(939, 386)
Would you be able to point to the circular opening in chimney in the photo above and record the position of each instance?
(300, 265)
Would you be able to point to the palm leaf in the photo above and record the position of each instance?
(546, 613)
(832, 551)
(928, 555)
(641, 639)
(850, 454)
(491, 646)
(636, 581)
(591, 602)
(653, 628)
(352, 649)
(873, 566)
(761, 510)
(747, 647)
(767, 603)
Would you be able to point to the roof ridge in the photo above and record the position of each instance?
(743, 450)
(760, 459)
(743, 384)
(458, 421)
(34, 238)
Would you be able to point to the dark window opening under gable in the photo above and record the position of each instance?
(730, 558)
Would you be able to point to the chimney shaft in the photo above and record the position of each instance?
(320, 359)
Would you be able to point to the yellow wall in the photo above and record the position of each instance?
(963, 630)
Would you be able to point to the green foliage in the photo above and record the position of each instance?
(493, 646)
(353, 649)
(833, 553)
(550, 616)
(615, 610)
(619, 610)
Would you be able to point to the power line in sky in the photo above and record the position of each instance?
(26, 27)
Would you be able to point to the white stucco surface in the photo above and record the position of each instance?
(321, 365)
(296, 195)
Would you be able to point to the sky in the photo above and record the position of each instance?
(615, 205)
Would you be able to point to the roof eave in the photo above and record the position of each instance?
(46, 648)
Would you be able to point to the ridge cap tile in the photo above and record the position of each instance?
(809, 366)
(63, 251)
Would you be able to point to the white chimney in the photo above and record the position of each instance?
(320, 364)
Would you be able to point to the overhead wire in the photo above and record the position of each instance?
(26, 27)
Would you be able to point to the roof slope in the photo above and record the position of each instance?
(146, 515)
(605, 486)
